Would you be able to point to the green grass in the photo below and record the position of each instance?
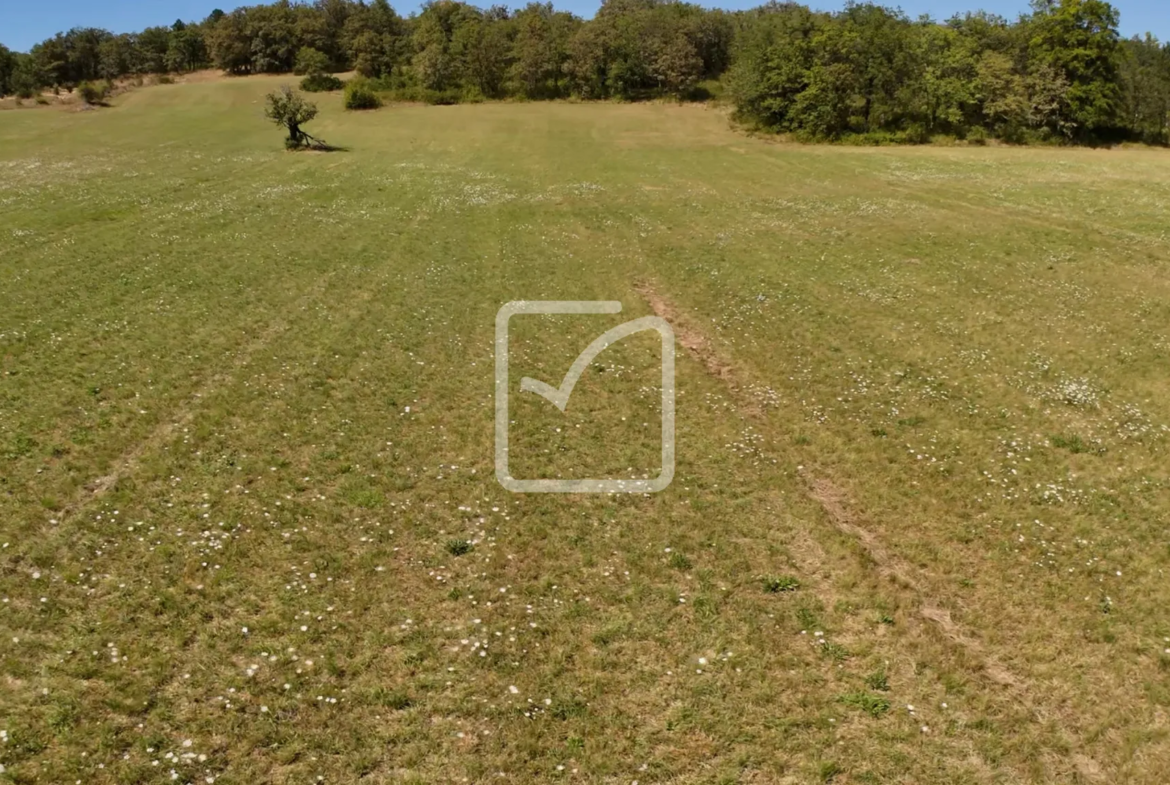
(873, 705)
(781, 583)
(221, 524)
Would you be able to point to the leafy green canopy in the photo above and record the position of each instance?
(1060, 72)
(290, 110)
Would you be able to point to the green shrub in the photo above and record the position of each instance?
(1013, 134)
(416, 94)
(915, 133)
(166, 79)
(311, 61)
(879, 138)
(321, 83)
(94, 92)
(42, 100)
(472, 95)
(978, 136)
(360, 95)
(441, 97)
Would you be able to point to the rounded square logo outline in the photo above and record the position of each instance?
(660, 325)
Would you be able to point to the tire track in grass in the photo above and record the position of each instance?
(841, 513)
(836, 504)
(832, 499)
(839, 510)
(184, 414)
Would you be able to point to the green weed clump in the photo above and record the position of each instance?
(873, 705)
(459, 547)
(878, 680)
(781, 583)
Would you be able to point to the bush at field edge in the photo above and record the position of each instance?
(321, 83)
(359, 94)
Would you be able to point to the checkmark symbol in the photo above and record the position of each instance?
(559, 396)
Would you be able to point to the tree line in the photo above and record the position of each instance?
(1060, 72)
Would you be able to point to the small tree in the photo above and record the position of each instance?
(290, 110)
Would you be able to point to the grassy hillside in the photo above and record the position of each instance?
(251, 530)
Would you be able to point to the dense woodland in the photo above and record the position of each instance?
(1058, 73)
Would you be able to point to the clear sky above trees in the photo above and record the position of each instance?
(24, 24)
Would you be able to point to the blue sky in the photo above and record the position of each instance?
(24, 23)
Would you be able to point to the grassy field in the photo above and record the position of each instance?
(249, 522)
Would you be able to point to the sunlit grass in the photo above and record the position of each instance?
(250, 524)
